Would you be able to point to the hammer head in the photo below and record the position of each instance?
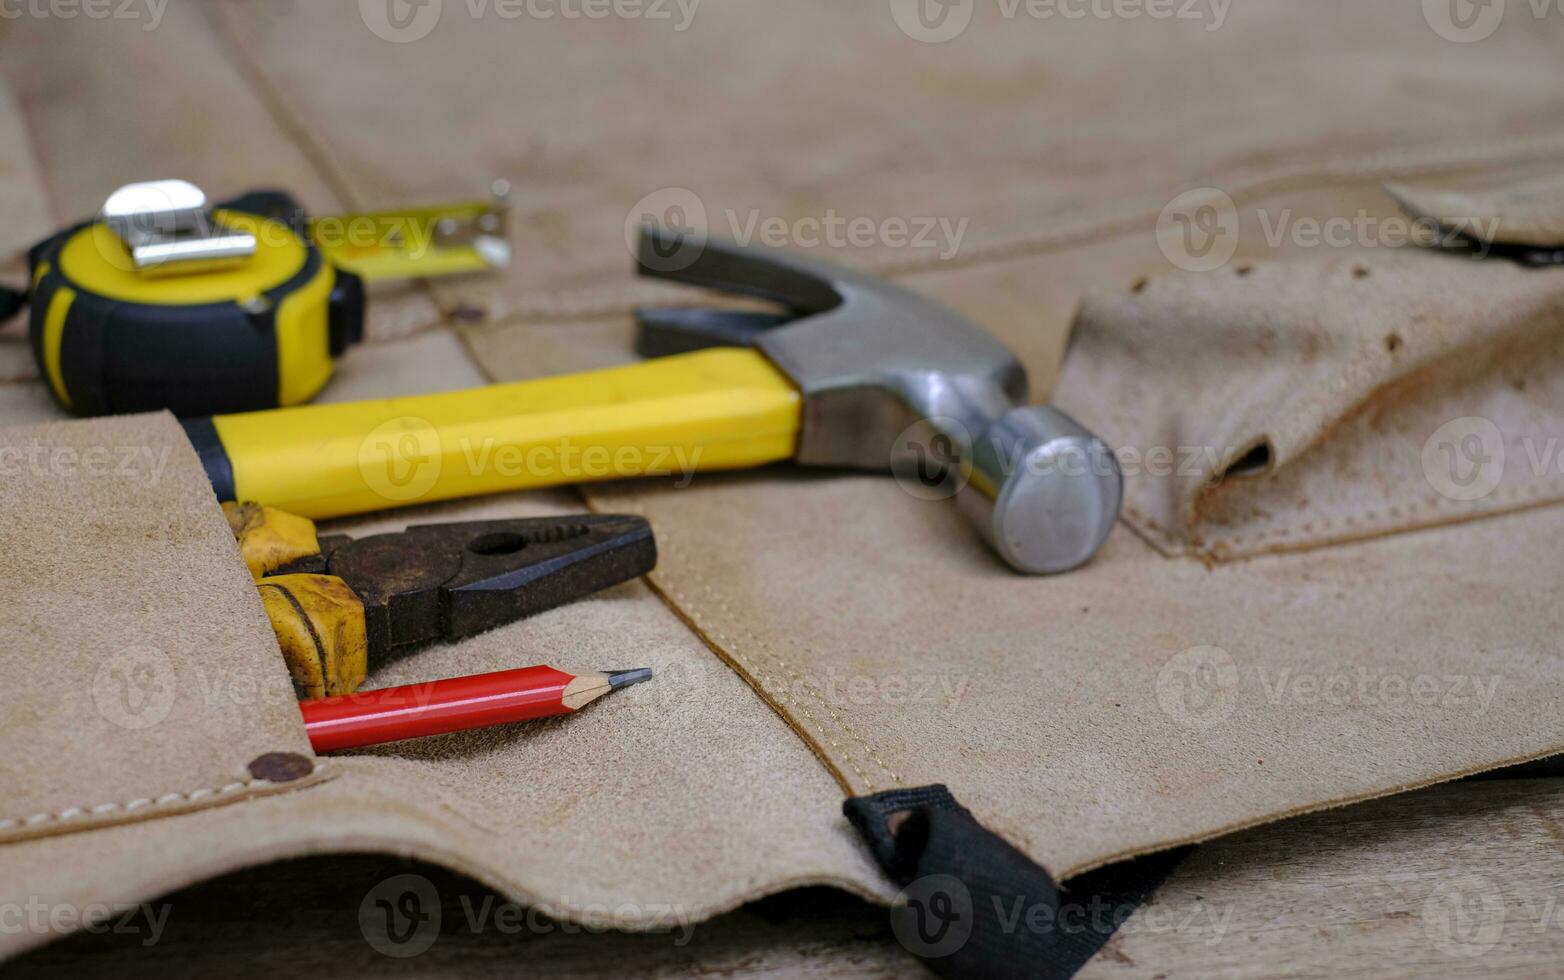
(894, 381)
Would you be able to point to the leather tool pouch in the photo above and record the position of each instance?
(1316, 578)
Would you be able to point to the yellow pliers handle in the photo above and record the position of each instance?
(319, 620)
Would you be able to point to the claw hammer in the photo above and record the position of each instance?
(858, 373)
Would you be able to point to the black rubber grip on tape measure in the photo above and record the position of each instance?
(195, 360)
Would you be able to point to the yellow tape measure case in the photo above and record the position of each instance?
(254, 332)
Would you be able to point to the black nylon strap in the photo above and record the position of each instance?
(977, 907)
(11, 302)
(871, 817)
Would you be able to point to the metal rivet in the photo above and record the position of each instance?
(281, 767)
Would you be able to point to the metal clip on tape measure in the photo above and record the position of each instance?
(164, 303)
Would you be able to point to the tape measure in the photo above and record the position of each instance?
(164, 303)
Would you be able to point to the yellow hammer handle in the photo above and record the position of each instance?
(716, 409)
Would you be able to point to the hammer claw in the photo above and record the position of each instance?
(726, 267)
(663, 331)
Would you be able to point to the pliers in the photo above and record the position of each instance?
(341, 605)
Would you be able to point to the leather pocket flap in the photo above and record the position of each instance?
(142, 677)
(1525, 212)
(1289, 405)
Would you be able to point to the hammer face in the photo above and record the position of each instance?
(1043, 491)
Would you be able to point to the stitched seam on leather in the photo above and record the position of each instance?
(1398, 515)
(256, 79)
(1239, 187)
(1110, 221)
(766, 683)
(778, 692)
(814, 691)
(774, 691)
(773, 694)
(117, 807)
(1373, 522)
(51, 199)
(1163, 539)
(287, 118)
(774, 688)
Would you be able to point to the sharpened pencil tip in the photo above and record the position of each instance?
(624, 678)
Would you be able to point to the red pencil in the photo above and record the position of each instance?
(351, 721)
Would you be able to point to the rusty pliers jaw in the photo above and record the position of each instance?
(449, 581)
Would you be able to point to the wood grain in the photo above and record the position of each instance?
(1458, 881)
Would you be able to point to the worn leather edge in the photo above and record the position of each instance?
(1526, 214)
(413, 832)
(1336, 804)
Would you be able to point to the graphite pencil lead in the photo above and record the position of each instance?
(624, 678)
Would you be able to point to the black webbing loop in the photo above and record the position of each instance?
(974, 906)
